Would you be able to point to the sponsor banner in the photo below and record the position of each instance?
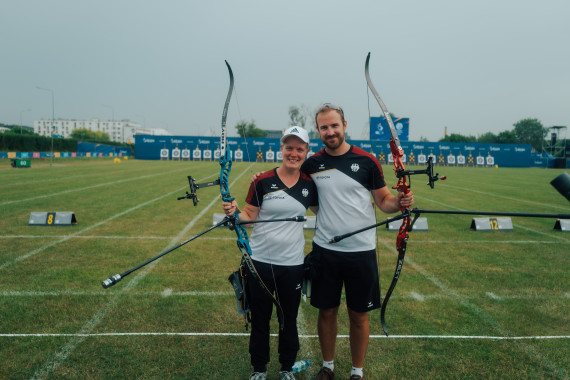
(148, 147)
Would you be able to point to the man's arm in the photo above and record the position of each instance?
(390, 203)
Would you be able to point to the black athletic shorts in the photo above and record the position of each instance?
(358, 272)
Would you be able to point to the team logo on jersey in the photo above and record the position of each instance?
(305, 192)
(354, 167)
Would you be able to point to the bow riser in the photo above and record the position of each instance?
(225, 169)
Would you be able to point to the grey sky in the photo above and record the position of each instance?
(473, 66)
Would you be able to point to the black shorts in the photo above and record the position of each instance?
(358, 272)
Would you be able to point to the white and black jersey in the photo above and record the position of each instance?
(280, 243)
(344, 184)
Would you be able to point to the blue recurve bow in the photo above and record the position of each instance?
(233, 220)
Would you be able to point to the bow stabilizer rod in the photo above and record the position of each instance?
(418, 211)
(118, 277)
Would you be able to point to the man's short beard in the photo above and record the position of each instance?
(329, 145)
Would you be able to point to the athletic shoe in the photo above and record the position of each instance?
(325, 374)
(286, 375)
(258, 376)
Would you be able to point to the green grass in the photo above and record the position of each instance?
(176, 318)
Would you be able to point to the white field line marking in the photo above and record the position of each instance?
(494, 296)
(61, 178)
(60, 357)
(195, 293)
(530, 350)
(35, 182)
(518, 200)
(487, 241)
(59, 293)
(417, 296)
(540, 232)
(302, 336)
(103, 237)
(91, 187)
(474, 242)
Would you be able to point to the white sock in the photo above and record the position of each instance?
(329, 365)
(357, 371)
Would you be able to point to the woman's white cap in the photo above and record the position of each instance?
(296, 131)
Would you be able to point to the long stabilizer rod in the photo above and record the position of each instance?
(224, 222)
(118, 277)
(418, 211)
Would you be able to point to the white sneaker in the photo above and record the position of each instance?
(258, 376)
(286, 375)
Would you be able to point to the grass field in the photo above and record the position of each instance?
(469, 304)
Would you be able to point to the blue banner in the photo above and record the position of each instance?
(105, 150)
(379, 129)
(265, 149)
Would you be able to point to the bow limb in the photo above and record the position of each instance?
(233, 221)
(402, 186)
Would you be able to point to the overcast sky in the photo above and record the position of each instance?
(473, 66)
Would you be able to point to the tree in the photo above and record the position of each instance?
(488, 138)
(507, 137)
(249, 129)
(297, 117)
(455, 137)
(530, 131)
(89, 135)
(19, 130)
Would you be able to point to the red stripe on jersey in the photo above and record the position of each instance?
(362, 152)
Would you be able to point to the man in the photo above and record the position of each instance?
(345, 177)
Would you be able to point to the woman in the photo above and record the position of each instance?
(278, 250)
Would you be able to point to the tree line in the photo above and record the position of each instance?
(20, 139)
(525, 131)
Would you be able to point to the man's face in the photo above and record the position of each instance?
(331, 129)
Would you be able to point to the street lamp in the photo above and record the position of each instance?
(52, 117)
(21, 112)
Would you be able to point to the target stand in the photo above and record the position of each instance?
(562, 225)
(492, 224)
(59, 218)
(421, 224)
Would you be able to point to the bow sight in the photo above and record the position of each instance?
(194, 187)
(428, 170)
